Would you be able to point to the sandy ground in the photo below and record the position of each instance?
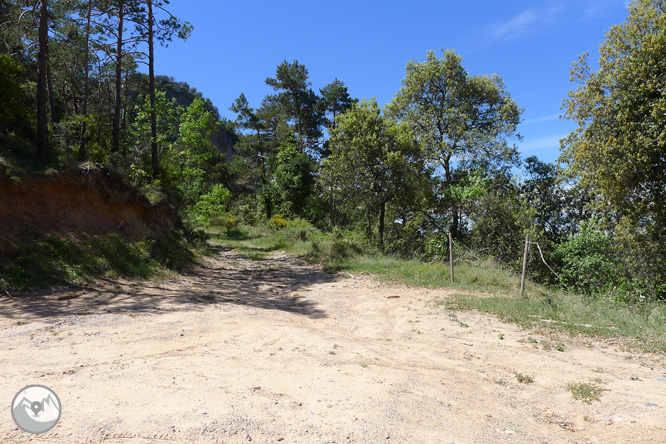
(277, 351)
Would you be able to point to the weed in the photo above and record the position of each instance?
(586, 392)
(524, 379)
(501, 336)
(531, 340)
(501, 382)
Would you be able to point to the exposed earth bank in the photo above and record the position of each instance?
(277, 351)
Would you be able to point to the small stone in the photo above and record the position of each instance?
(509, 432)
(617, 419)
(651, 404)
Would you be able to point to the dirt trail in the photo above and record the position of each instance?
(277, 351)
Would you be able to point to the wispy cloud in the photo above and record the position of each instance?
(541, 144)
(541, 119)
(524, 23)
(533, 20)
(599, 8)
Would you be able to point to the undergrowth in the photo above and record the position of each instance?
(39, 261)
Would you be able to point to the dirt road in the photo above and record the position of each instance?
(277, 351)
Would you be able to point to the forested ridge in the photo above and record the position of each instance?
(314, 162)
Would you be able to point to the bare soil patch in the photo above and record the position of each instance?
(277, 351)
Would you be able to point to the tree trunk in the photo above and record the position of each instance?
(455, 223)
(82, 138)
(49, 86)
(115, 136)
(151, 75)
(42, 123)
(382, 215)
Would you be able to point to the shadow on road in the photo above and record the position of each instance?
(272, 283)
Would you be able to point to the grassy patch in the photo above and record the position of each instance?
(573, 314)
(586, 392)
(60, 260)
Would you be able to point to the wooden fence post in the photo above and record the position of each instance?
(451, 255)
(522, 279)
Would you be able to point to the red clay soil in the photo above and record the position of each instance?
(91, 201)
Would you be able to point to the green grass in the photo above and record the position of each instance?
(484, 286)
(41, 261)
(586, 392)
(644, 325)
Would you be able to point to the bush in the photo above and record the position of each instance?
(277, 223)
(211, 204)
(588, 264)
(228, 221)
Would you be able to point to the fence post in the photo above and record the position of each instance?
(451, 255)
(522, 279)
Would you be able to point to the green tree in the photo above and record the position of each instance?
(298, 103)
(335, 100)
(372, 159)
(459, 120)
(293, 179)
(152, 29)
(619, 145)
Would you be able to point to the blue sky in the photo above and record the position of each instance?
(366, 44)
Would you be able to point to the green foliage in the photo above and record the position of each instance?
(293, 183)
(617, 150)
(501, 220)
(298, 103)
(276, 222)
(373, 160)
(39, 261)
(16, 115)
(460, 121)
(212, 204)
(524, 379)
(587, 260)
(335, 100)
(228, 221)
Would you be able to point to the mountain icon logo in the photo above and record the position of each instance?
(36, 409)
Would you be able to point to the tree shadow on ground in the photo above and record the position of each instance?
(271, 283)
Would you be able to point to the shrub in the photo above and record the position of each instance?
(277, 223)
(211, 204)
(588, 264)
(226, 220)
